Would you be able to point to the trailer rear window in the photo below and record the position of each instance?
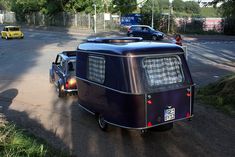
(96, 69)
(163, 71)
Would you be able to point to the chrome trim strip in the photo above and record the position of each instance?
(123, 56)
(125, 127)
(85, 80)
(121, 126)
(146, 109)
(70, 90)
(108, 87)
(191, 100)
(86, 109)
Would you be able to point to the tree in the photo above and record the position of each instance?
(178, 5)
(146, 11)
(227, 7)
(228, 11)
(192, 7)
(124, 6)
(83, 5)
(4, 5)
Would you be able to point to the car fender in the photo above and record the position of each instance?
(61, 82)
(51, 74)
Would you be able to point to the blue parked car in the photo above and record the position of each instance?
(146, 32)
(62, 73)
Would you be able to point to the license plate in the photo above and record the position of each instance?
(169, 114)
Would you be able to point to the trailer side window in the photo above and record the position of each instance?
(163, 71)
(96, 69)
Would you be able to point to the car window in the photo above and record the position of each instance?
(58, 60)
(163, 70)
(136, 28)
(63, 65)
(145, 29)
(71, 67)
(96, 69)
(14, 29)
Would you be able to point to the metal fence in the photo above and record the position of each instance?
(80, 20)
(7, 17)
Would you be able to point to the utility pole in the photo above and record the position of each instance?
(94, 18)
(152, 23)
(169, 16)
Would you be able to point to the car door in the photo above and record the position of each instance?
(56, 68)
(148, 33)
(136, 31)
(144, 32)
(4, 32)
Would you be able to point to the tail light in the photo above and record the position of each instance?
(71, 83)
(66, 85)
(149, 100)
(189, 94)
(129, 30)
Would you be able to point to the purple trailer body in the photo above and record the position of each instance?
(134, 84)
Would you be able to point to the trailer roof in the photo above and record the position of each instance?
(126, 46)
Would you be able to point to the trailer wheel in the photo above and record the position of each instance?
(102, 124)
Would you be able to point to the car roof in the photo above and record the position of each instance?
(12, 26)
(140, 26)
(68, 55)
(129, 48)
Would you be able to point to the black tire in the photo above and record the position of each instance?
(162, 128)
(60, 92)
(102, 124)
(50, 79)
(154, 37)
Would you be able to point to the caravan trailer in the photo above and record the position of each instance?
(134, 84)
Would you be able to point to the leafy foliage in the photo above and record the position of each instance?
(178, 5)
(124, 6)
(227, 9)
(209, 12)
(192, 7)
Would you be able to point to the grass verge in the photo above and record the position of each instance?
(220, 94)
(15, 142)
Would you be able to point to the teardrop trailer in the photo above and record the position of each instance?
(130, 83)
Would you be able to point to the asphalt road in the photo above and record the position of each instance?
(28, 99)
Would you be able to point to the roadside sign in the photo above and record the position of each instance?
(106, 16)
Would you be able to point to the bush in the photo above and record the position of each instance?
(220, 94)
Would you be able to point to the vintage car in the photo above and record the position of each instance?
(62, 73)
(10, 32)
(134, 84)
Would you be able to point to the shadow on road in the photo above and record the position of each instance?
(22, 119)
